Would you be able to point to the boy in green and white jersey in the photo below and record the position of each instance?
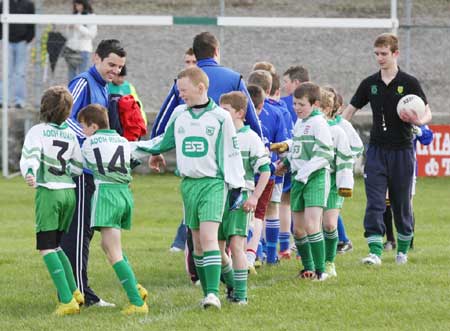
(341, 181)
(309, 158)
(210, 163)
(50, 157)
(234, 227)
(107, 155)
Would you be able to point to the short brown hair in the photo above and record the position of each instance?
(275, 83)
(387, 40)
(94, 114)
(189, 51)
(195, 75)
(264, 65)
(256, 94)
(56, 105)
(309, 90)
(299, 73)
(205, 45)
(262, 78)
(235, 99)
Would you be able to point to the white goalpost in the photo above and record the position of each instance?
(391, 23)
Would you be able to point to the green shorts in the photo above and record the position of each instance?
(54, 209)
(335, 201)
(234, 223)
(312, 194)
(112, 207)
(203, 200)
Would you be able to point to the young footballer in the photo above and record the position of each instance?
(107, 155)
(210, 163)
(254, 248)
(234, 226)
(341, 182)
(309, 158)
(50, 157)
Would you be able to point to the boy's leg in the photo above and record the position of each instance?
(240, 267)
(313, 216)
(67, 269)
(285, 225)
(330, 233)
(302, 242)
(212, 263)
(400, 186)
(112, 246)
(273, 224)
(56, 270)
(375, 180)
(227, 269)
(180, 239)
(198, 259)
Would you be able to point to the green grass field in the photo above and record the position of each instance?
(410, 297)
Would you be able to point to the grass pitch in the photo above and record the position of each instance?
(409, 297)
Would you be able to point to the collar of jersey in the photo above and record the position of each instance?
(63, 125)
(338, 119)
(315, 112)
(210, 106)
(94, 72)
(332, 122)
(245, 128)
(207, 62)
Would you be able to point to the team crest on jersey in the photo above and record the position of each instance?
(374, 90)
(181, 130)
(307, 128)
(400, 90)
(210, 130)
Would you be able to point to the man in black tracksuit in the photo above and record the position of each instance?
(390, 159)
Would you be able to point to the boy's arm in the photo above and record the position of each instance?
(80, 92)
(30, 159)
(76, 161)
(426, 135)
(251, 118)
(344, 162)
(323, 153)
(229, 155)
(170, 103)
(355, 141)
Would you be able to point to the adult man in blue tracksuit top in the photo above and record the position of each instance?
(221, 80)
(89, 87)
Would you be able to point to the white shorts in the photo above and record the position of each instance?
(276, 193)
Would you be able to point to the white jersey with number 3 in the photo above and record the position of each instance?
(52, 155)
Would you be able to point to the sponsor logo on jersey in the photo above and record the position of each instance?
(181, 130)
(374, 90)
(235, 143)
(195, 147)
(210, 130)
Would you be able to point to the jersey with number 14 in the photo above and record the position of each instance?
(107, 155)
(51, 153)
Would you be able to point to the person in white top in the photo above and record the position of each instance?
(79, 40)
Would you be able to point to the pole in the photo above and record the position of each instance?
(408, 21)
(394, 16)
(5, 49)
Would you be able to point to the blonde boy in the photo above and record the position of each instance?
(341, 181)
(210, 163)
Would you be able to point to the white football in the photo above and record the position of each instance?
(413, 102)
